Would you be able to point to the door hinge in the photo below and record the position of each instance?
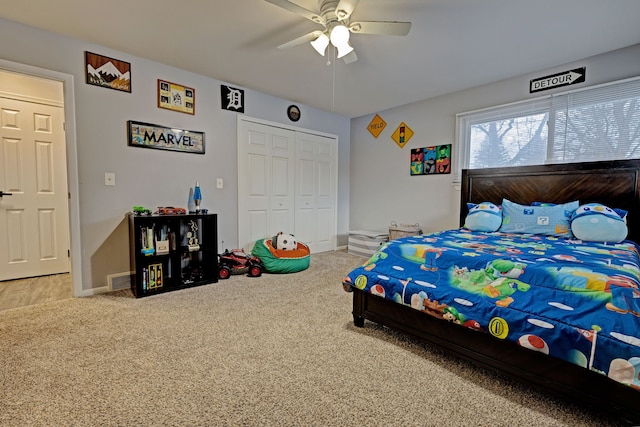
(68, 253)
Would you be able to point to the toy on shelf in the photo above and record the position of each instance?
(141, 210)
(169, 210)
(192, 236)
(237, 261)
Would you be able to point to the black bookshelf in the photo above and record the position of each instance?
(171, 252)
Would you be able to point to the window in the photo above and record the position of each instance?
(598, 123)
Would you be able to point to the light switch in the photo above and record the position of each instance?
(219, 183)
(109, 178)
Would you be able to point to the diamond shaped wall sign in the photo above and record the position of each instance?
(376, 126)
(402, 134)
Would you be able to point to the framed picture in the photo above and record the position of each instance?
(147, 135)
(431, 160)
(176, 97)
(107, 72)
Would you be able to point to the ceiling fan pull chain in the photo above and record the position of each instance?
(333, 89)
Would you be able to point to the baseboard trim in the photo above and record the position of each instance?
(93, 291)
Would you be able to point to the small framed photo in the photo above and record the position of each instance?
(176, 97)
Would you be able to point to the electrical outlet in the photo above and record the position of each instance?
(109, 178)
(219, 183)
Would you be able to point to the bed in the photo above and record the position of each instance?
(508, 305)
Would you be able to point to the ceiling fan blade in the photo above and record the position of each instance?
(350, 57)
(345, 9)
(387, 28)
(301, 40)
(292, 7)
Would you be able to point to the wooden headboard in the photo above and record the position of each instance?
(612, 183)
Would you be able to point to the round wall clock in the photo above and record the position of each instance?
(293, 112)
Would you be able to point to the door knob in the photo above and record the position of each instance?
(2, 193)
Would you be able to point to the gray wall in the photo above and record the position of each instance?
(374, 185)
(154, 177)
(382, 189)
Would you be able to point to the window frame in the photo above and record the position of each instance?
(547, 103)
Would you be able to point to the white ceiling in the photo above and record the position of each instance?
(452, 45)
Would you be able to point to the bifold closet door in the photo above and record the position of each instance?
(287, 181)
(315, 189)
(265, 182)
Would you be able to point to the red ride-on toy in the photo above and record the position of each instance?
(237, 261)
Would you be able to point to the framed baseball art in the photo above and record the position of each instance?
(176, 97)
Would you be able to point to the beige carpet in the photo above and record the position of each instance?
(279, 350)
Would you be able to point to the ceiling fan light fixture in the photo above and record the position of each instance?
(339, 36)
(320, 44)
(340, 39)
(335, 18)
(344, 50)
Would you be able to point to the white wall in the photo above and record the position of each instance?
(154, 177)
(382, 189)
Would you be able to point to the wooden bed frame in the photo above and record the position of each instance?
(612, 183)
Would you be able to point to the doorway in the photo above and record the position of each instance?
(34, 218)
(35, 290)
(57, 228)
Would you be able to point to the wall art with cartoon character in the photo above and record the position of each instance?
(431, 160)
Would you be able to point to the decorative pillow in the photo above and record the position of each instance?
(543, 218)
(285, 242)
(594, 222)
(485, 216)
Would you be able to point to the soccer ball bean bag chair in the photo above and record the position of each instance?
(282, 254)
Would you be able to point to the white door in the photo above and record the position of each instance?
(316, 160)
(287, 181)
(265, 182)
(34, 225)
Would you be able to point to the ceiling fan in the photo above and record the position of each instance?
(334, 16)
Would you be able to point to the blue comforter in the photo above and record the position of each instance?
(578, 301)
